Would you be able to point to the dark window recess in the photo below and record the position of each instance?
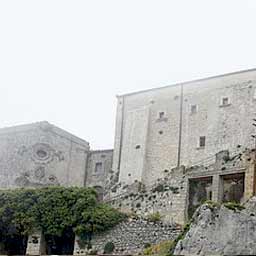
(225, 101)
(193, 109)
(202, 141)
(161, 115)
(160, 132)
(137, 147)
(41, 153)
(98, 167)
(129, 174)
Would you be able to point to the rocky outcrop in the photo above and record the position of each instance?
(221, 230)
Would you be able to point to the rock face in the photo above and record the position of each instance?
(221, 231)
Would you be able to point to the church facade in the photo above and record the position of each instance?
(41, 154)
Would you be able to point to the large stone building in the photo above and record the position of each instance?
(42, 154)
(182, 124)
(175, 147)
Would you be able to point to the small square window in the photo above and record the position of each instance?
(193, 109)
(202, 141)
(225, 101)
(161, 115)
(98, 167)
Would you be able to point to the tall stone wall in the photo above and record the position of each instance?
(41, 154)
(220, 109)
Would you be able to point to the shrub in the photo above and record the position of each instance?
(175, 190)
(109, 248)
(161, 249)
(138, 205)
(54, 210)
(234, 206)
(147, 245)
(159, 188)
(212, 205)
(154, 217)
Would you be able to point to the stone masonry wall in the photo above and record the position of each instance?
(225, 126)
(169, 196)
(41, 154)
(166, 197)
(131, 236)
(99, 168)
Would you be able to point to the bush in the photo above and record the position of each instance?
(154, 217)
(54, 210)
(109, 248)
(161, 249)
(234, 206)
(147, 245)
(159, 188)
(212, 205)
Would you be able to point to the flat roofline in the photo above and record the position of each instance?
(187, 82)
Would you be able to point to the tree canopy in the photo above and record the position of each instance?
(54, 210)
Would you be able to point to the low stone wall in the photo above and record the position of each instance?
(131, 237)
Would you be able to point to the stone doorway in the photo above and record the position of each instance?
(232, 187)
(200, 190)
(60, 245)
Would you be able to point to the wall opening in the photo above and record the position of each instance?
(13, 245)
(60, 245)
(232, 187)
(202, 140)
(200, 190)
(193, 109)
(98, 167)
(161, 115)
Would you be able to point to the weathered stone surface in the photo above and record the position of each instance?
(225, 126)
(221, 231)
(41, 154)
(131, 236)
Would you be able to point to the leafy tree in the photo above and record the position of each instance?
(54, 210)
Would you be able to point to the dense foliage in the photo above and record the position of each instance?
(54, 210)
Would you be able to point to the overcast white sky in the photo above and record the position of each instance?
(65, 61)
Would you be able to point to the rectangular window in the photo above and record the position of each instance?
(225, 101)
(98, 167)
(202, 141)
(161, 115)
(193, 109)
